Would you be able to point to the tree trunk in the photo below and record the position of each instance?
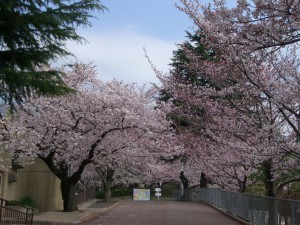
(269, 181)
(203, 180)
(185, 184)
(243, 184)
(68, 191)
(68, 180)
(107, 192)
(270, 192)
(184, 180)
(106, 177)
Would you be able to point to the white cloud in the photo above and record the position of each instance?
(120, 55)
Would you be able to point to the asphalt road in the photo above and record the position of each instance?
(162, 213)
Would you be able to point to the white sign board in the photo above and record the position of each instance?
(157, 189)
(157, 194)
(141, 194)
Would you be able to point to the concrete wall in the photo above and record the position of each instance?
(37, 182)
(8, 190)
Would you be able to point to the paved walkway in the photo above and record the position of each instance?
(162, 213)
(130, 212)
(85, 212)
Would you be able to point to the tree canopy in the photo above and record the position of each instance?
(250, 129)
(102, 123)
(32, 33)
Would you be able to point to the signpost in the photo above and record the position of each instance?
(157, 192)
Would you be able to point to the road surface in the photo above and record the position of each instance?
(162, 213)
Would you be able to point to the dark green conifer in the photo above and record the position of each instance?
(33, 33)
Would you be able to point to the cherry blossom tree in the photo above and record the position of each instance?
(69, 133)
(128, 156)
(251, 103)
(259, 39)
(247, 111)
(133, 157)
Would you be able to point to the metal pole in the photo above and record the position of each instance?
(293, 214)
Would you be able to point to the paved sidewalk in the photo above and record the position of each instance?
(85, 211)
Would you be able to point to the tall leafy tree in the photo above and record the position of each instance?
(183, 74)
(259, 44)
(181, 59)
(200, 102)
(94, 124)
(185, 115)
(32, 33)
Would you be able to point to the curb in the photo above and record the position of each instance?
(90, 217)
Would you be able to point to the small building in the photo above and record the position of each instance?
(18, 180)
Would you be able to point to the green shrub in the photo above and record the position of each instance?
(99, 194)
(121, 192)
(28, 202)
(12, 203)
(115, 193)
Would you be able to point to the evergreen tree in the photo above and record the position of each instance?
(182, 74)
(32, 33)
(180, 70)
(186, 116)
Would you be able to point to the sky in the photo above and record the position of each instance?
(119, 35)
